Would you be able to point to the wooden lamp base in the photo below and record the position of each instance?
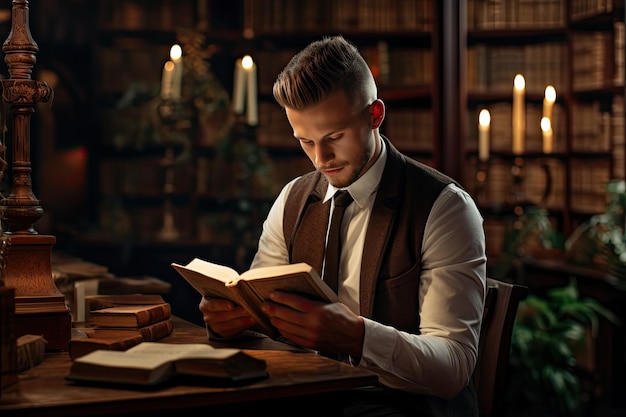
(40, 308)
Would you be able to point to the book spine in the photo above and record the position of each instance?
(154, 314)
(157, 331)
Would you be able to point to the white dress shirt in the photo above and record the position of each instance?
(441, 359)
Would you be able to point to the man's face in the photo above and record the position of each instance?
(337, 136)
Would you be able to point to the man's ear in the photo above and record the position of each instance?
(377, 111)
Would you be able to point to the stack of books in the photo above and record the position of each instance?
(119, 322)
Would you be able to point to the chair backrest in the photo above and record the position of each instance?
(494, 349)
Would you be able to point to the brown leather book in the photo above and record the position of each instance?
(100, 301)
(82, 346)
(130, 315)
(149, 333)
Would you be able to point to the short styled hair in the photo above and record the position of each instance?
(321, 69)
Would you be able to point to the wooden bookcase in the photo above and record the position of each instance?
(214, 186)
(577, 47)
(437, 63)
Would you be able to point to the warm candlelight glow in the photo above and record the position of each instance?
(247, 63)
(484, 121)
(546, 130)
(548, 102)
(519, 114)
(176, 54)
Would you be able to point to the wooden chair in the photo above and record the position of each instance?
(501, 306)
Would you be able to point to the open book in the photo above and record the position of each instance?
(252, 288)
(151, 363)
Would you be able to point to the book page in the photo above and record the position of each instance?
(208, 285)
(175, 351)
(299, 279)
(217, 271)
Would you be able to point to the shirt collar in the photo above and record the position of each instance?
(366, 185)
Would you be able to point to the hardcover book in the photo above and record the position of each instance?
(151, 363)
(81, 346)
(149, 333)
(130, 315)
(252, 288)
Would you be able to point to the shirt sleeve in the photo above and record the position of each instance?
(441, 359)
(272, 249)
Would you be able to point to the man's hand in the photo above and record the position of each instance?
(328, 327)
(224, 317)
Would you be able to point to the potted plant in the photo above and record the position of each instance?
(551, 333)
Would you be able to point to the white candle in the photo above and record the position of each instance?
(548, 102)
(484, 120)
(239, 88)
(176, 54)
(519, 114)
(166, 80)
(546, 130)
(252, 110)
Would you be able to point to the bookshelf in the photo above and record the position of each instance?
(576, 47)
(213, 185)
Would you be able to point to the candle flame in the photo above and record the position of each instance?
(484, 118)
(550, 94)
(519, 82)
(247, 62)
(176, 52)
(545, 124)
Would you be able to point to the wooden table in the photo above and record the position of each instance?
(299, 383)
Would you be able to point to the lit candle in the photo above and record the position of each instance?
(239, 89)
(166, 80)
(546, 130)
(252, 110)
(548, 102)
(176, 54)
(519, 115)
(484, 120)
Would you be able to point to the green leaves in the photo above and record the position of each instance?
(549, 332)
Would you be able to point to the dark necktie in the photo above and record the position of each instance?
(333, 247)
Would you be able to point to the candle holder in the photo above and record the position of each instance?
(481, 176)
(517, 196)
(548, 190)
(170, 113)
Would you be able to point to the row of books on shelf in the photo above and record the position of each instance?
(597, 59)
(543, 184)
(118, 322)
(595, 127)
(392, 66)
(580, 9)
(493, 68)
(147, 14)
(509, 14)
(271, 16)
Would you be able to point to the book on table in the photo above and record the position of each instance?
(78, 347)
(118, 338)
(153, 363)
(129, 315)
(149, 333)
(251, 288)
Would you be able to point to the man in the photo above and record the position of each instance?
(411, 279)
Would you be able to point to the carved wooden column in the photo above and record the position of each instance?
(39, 306)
